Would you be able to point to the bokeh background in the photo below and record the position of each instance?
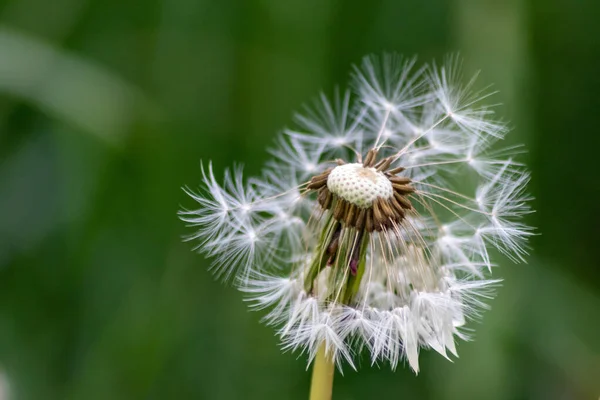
(107, 108)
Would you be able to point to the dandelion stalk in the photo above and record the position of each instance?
(321, 385)
(356, 237)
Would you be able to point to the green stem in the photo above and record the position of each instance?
(321, 386)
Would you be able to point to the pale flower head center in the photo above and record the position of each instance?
(359, 185)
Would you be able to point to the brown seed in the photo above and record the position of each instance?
(342, 217)
(339, 161)
(338, 210)
(328, 199)
(400, 179)
(323, 175)
(396, 170)
(322, 196)
(333, 245)
(360, 219)
(369, 220)
(404, 202)
(350, 218)
(318, 182)
(378, 215)
(370, 158)
(396, 204)
(386, 208)
(388, 223)
(388, 213)
(384, 164)
(403, 189)
(314, 185)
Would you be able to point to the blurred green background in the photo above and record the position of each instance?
(107, 108)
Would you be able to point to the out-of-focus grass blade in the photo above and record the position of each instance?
(67, 87)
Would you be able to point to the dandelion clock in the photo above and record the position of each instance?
(370, 229)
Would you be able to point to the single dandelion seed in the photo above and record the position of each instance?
(370, 231)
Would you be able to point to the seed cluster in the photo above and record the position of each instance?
(364, 196)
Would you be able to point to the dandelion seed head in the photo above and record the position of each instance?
(355, 236)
